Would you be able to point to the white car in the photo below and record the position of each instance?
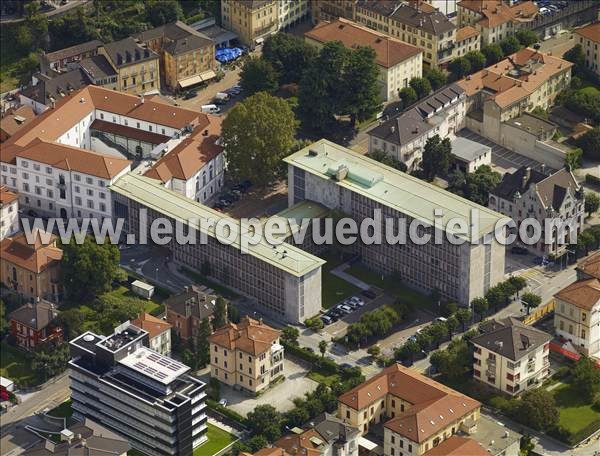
(346, 308)
(357, 300)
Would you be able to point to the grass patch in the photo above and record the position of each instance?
(333, 288)
(63, 410)
(217, 440)
(15, 365)
(122, 292)
(327, 380)
(575, 414)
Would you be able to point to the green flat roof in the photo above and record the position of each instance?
(152, 194)
(390, 187)
(292, 216)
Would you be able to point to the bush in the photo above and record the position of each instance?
(562, 373)
(231, 414)
(596, 404)
(301, 353)
(501, 403)
(316, 324)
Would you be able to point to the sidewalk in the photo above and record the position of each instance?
(339, 272)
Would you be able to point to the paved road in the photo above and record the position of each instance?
(558, 44)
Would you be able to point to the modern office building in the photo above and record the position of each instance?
(341, 179)
(148, 398)
(284, 280)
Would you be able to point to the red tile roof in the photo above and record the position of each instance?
(6, 196)
(35, 257)
(154, 326)
(250, 336)
(584, 294)
(590, 32)
(457, 446)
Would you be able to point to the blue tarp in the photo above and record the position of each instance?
(225, 55)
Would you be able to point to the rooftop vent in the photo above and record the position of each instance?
(313, 152)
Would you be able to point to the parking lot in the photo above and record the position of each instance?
(503, 158)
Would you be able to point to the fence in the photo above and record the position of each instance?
(539, 313)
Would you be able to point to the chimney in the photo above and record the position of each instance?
(142, 99)
(543, 168)
(393, 128)
(526, 176)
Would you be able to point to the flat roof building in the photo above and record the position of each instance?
(470, 155)
(339, 178)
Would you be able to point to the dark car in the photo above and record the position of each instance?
(369, 294)
(518, 250)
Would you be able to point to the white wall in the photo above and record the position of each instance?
(9, 219)
(135, 123)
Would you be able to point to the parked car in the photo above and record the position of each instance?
(518, 250)
(357, 300)
(369, 294)
(346, 308)
(353, 305)
(412, 339)
(223, 402)
(326, 320)
(210, 109)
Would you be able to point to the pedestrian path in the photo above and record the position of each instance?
(339, 272)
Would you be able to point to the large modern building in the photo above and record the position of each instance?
(339, 178)
(284, 280)
(148, 398)
(397, 62)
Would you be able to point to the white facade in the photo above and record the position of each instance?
(161, 343)
(203, 185)
(398, 76)
(9, 218)
(291, 12)
(37, 107)
(579, 325)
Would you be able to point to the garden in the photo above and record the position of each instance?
(218, 439)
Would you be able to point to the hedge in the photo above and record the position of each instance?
(301, 352)
(231, 414)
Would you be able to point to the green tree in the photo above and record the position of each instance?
(478, 184)
(289, 55)
(3, 322)
(257, 133)
(464, 316)
(424, 340)
(590, 144)
(219, 314)
(323, 347)
(452, 323)
(530, 301)
(476, 59)
(233, 313)
(585, 242)
(585, 102)
(37, 24)
(202, 344)
(161, 12)
(576, 56)
(453, 362)
(50, 360)
(495, 297)
(408, 95)
(374, 351)
(111, 310)
(421, 86)
(510, 45)
(23, 40)
(214, 389)
(437, 156)
(387, 159)
(258, 75)
(540, 112)
(459, 68)
(526, 445)
(408, 351)
(88, 269)
(360, 91)
(537, 409)
(265, 420)
(436, 78)
(438, 332)
(526, 37)
(586, 378)
(480, 305)
(493, 54)
(592, 203)
(25, 68)
(573, 158)
(290, 335)
(71, 320)
(189, 359)
(518, 283)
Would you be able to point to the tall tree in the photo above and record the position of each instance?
(477, 185)
(50, 360)
(202, 344)
(361, 91)
(436, 78)
(437, 156)
(257, 133)
(459, 68)
(493, 54)
(258, 75)
(538, 409)
(464, 315)
(476, 59)
(592, 203)
(220, 314)
(265, 420)
(576, 56)
(480, 305)
(290, 335)
(422, 86)
(289, 55)
(408, 95)
(586, 378)
(161, 12)
(510, 45)
(323, 347)
(526, 37)
(530, 301)
(590, 144)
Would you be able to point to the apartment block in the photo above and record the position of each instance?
(405, 134)
(557, 198)
(186, 310)
(589, 39)
(511, 356)
(252, 20)
(9, 212)
(330, 10)
(187, 57)
(397, 62)
(150, 399)
(247, 355)
(283, 280)
(292, 12)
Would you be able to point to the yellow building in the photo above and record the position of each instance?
(247, 355)
(418, 413)
(589, 38)
(252, 20)
(330, 10)
(187, 57)
(137, 66)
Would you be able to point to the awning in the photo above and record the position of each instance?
(208, 75)
(189, 81)
(368, 445)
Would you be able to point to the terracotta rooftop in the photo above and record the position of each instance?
(465, 33)
(590, 266)
(154, 326)
(457, 446)
(590, 32)
(267, 452)
(496, 12)
(301, 444)
(584, 294)
(6, 196)
(34, 257)
(16, 119)
(390, 51)
(250, 336)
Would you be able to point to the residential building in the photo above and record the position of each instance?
(252, 20)
(327, 435)
(511, 356)
(86, 437)
(555, 199)
(32, 270)
(397, 62)
(458, 446)
(159, 332)
(292, 12)
(187, 57)
(100, 72)
(589, 267)
(330, 10)
(417, 413)
(137, 66)
(186, 310)
(518, 84)
(577, 313)
(284, 281)
(9, 212)
(58, 61)
(496, 19)
(32, 325)
(467, 40)
(589, 39)
(341, 179)
(469, 155)
(405, 134)
(13, 120)
(196, 166)
(247, 355)
(148, 398)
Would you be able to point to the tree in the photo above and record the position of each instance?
(233, 313)
(526, 445)
(590, 144)
(161, 12)
(453, 362)
(530, 301)
(438, 332)
(459, 68)
(510, 45)
(576, 56)
(424, 340)
(464, 316)
(219, 314)
(495, 297)
(573, 158)
(37, 24)
(214, 389)
(202, 344)
(25, 68)
(437, 156)
(452, 324)
(3, 322)
(257, 133)
(436, 78)
(540, 112)
(50, 360)
(374, 351)
(480, 305)
(518, 283)
(586, 378)
(475, 186)
(493, 54)
(387, 159)
(265, 420)
(323, 348)
(538, 409)
(88, 269)
(421, 86)
(252, 445)
(361, 91)
(476, 59)
(189, 359)
(408, 350)
(290, 335)
(408, 95)
(592, 203)
(258, 75)
(289, 55)
(71, 320)
(23, 40)
(526, 37)
(583, 101)
(585, 242)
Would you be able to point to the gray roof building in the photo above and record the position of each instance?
(192, 302)
(127, 52)
(177, 37)
(36, 316)
(434, 22)
(98, 67)
(466, 150)
(50, 89)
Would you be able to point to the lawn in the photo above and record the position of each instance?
(327, 380)
(217, 440)
(122, 292)
(575, 413)
(15, 365)
(333, 288)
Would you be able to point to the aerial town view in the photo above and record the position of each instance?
(300, 228)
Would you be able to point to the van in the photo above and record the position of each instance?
(210, 109)
(222, 97)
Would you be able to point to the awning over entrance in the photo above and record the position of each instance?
(208, 75)
(187, 82)
(370, 446)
